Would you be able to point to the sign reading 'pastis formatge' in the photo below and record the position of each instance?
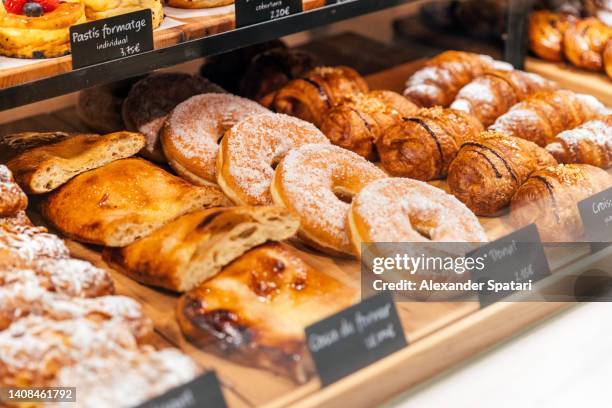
(204, 391)
(355, 338)
(249, 12)
(111, 38)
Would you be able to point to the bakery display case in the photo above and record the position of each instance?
(293, 203)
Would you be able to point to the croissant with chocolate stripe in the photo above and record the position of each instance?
(487, 172)
(357, 123)
(312, 96)
(590, 143)
(550, 196)
(422, 146)
(493, 93)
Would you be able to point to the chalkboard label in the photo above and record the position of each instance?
(596, 213)
(249, 12)
(512, 263)
(204, 391)
(355, 338)
(111, 38)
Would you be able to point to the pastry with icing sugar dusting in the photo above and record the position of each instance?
(12, 199)
(251, 149)
(317, 183)
(190, 138)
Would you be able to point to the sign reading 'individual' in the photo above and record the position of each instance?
(111, 38)
(249, 12)
(596, 213)
(204, 391)
(355, 338)
(512, 263)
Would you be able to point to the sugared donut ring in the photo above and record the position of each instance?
(251, 149)
(407, 210)
(191, 133)
(317, 182)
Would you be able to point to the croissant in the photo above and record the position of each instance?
(443, 76)
(590, 143)
(607, 58)
(422, 146)
(492, 94)
(546, 31)
(311, 97)
(543, 115)
(550, 196)
(584, 42)
(486, 173)
(357, 123)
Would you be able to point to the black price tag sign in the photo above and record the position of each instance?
(511, 264)
(596, 213)
(111, 38)
(355, 338)
(204, 391)
(249, 12)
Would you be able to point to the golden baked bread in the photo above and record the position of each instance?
(250, 151)
(423, 145)
(493, 93)
(122, 202)
(487, 172)
(45, 168)
(444, 75)
(99, 9)
(549, 198)
(190, 137)
(584, 42)
(256, 310)
(312, 96)
(198, 4)
(196, 246)
(543, 115)
(590, 143)
(12, 199)
(359, 122)
(152, 98)
(546, 31)
(47, 36)
(317, 182)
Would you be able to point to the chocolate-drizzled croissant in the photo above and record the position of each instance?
(311, 97)
(584, 42)
(357, 123)
(550, 196)
(546, 31)
(443, 76)
(492, 94)
(543, 115)
(590, 143)
(487, 172)
(422, 146)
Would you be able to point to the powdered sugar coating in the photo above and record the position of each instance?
(12, 198)
(396, 209)
(73, 277)
(253, 146)
(309, 178)
(595, 135)
(194, 128)
(478, 90)
(32, 243)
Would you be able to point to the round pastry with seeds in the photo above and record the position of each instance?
(250, 151)
(317, 182)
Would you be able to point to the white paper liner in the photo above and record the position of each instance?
(195, 13)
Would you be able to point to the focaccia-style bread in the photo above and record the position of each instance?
(124, 201)
(45, 168)
(195, 247)
(255, 311)
(12, 199)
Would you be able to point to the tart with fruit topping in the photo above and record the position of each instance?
(37, 28)
(98, 9)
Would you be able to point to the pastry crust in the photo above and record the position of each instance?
(252, 148)
(550, 197)
(198, 4)
(255, 311)
(99, 9)
(423, 145)
(12, 198)
(123, 201)
(487, 172)
(546, 31)
(316, 181)
(192, 132)
(311, 97)
(584, 42)
(45, 168)
(359, 122)
(195, 247)
(607, 58)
